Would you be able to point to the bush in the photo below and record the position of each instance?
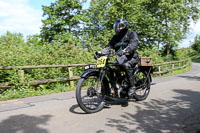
(15, 52)
(196, 45)
(183, 53)
(154, 53)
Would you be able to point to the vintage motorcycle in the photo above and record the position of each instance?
(95, 88)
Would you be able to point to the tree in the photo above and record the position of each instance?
(159, 23)
(196, 45)
(61, 20)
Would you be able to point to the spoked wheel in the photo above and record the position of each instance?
(142, 85)
(90, 94)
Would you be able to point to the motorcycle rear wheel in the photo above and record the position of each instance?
(143, 84)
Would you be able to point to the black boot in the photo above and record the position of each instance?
(131, 79)
(131, 91)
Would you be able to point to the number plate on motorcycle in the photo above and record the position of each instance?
(91, 66)
(101, 62)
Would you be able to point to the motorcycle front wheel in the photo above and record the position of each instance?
(90, 94)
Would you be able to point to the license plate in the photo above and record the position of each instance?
(91, 66)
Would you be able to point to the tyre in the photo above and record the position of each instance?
(143, 84)
(90, 98)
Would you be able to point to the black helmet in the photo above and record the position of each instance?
(120, 24)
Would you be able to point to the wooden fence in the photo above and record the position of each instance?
(161, 69)
(170, 66)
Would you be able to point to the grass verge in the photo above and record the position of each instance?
(28, 91)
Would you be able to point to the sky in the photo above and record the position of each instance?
(24, 16)
(194, 30)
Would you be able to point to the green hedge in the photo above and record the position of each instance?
(19, 53)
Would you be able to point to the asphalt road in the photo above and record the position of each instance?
(172, 107)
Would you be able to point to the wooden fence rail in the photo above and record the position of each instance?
(174, 66)
(161, 69)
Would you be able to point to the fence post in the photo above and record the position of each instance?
(70, 76)
(186, 63)
(21, 75)
(159, 70)
(172, 67)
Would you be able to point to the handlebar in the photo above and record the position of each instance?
(104, 52)
(99, 54)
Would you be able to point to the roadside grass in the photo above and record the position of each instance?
(28, 91)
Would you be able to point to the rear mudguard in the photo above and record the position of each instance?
(148, 69)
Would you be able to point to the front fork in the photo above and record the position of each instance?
(100, 79)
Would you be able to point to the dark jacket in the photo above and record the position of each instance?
(127, 40)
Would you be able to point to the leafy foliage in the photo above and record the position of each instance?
(154, 53)
(195, 52)
(159, 23)
(20, 53)
(196, 45)
(62, 19)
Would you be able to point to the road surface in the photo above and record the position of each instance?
(173, 106)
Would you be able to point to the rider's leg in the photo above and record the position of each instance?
(129, 73)
(131, 79)
(111, 76)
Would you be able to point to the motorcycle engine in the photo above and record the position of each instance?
(122, 91)
(125, 84)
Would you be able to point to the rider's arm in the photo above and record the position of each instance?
(112, 42)
(133, 43)
(108, 47)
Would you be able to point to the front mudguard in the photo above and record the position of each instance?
(89, 72)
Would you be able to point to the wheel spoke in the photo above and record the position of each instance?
(91, 96)
(141, 84)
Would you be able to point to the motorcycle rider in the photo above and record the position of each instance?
(125, 43)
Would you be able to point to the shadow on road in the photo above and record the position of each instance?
(24, 124)
(77, 110)
(182, 114)
(191, 77)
